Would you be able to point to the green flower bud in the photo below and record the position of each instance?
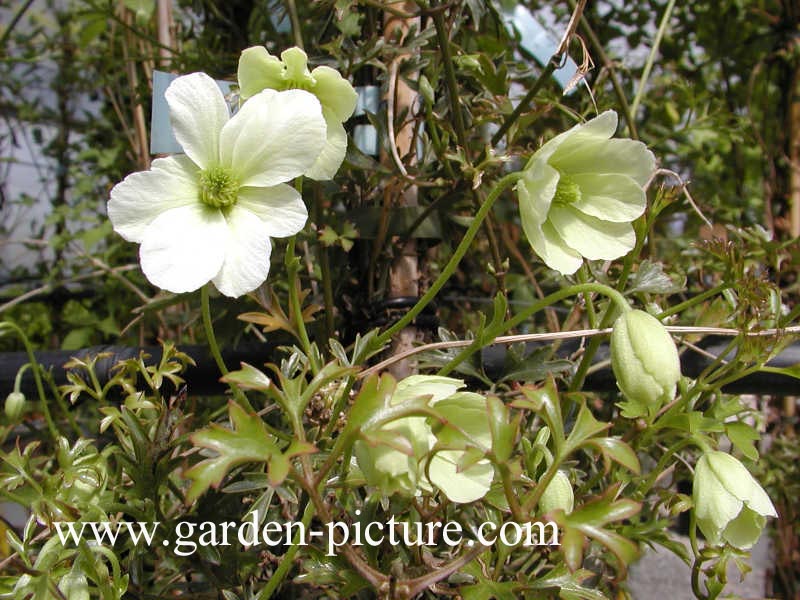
(645, 362)
(729, 503)
(557, 494)
(15, 405)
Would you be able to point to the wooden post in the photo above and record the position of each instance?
(404, 272)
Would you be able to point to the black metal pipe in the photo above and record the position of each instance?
(203, 377)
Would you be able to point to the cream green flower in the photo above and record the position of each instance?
(406, 456)
(259, 70)
(729, 503)
(209, 215)
(580, 191)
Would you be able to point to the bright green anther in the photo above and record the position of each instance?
(218, 187)
(567, 191)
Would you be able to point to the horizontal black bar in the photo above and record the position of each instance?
(203, 378)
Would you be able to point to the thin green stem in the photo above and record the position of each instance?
(524, 104)
(583, 277)
(205, 309)
(694, 300)
(461, 132)
(618, 91)
(454, 261)
(648, 66)
(287, 560)
(295, 308)
(297, 32)
(580, 288)
(37, 377)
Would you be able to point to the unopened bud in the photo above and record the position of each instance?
(645, 362)
(557, 494)
(15, 405)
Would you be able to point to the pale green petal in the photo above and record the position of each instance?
(714, 506)
(735, 477)
(183, 248)
(745, 529)
(552, 249)
(141, 197)
(623, 156)
(259, 70)
(198, 114)
(296, 62)
(467, 412)
(334, 92)
(247, 254)
(333, 152)
(467, 486)
(594, 130)
(535, 192)
(436, 386)
(280, 208)
(274, 137)
(591, 237)
(610, 197)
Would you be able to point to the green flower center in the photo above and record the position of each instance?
(567, 191)
(218, 187)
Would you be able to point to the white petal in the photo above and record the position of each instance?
(466, 486)
(258, 70)
(198, 112)
(280, 208)
(334, 92)
(183, 248)
(715, 507)
(593, 238)
(246, 264)
(332, 155)
(601, 127)
(623, 156)
(142, 196)
(551, 248)
(536, 190)
(274, 137)
(610, 197)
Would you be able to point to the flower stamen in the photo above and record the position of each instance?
(218, 187)
(567, 191)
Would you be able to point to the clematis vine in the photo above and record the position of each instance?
(209, 215)
(259, 70)
(579, 193)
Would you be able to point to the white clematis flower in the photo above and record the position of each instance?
(580, 192)
(259, 70)
(209, 215)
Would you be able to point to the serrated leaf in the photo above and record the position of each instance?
(650, 278)
(247, 441)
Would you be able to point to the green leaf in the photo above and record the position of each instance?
(247, 441)
(650, 278)
(618, 451)
(544, 401)
(586, 426)
(503, 432)
(742, 436)
(248, 378)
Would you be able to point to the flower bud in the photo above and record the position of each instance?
(729, 503)
(645, 362)
(15, 405)
(557, 494)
